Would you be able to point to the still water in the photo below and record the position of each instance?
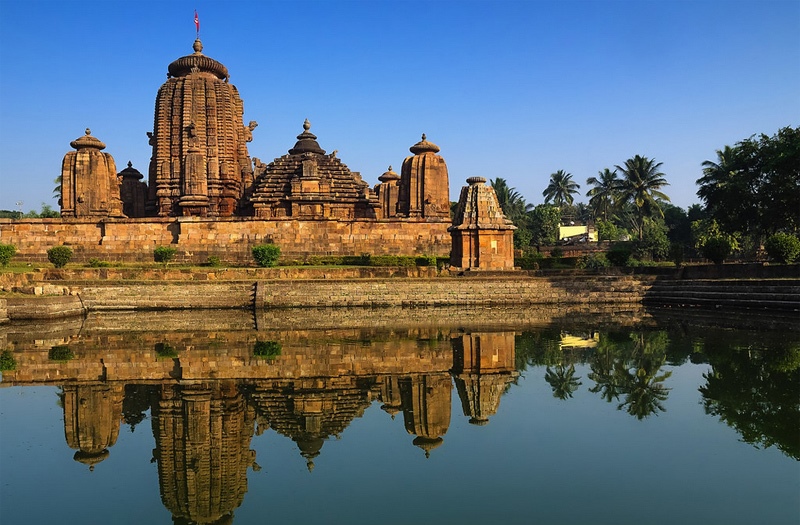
(408, 416)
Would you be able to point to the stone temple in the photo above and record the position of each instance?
(207, 196)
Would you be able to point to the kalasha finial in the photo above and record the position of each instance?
(424, 137)
(197, 46)
(130, 164)
(88, 131)
(390, 168)
(306, 125)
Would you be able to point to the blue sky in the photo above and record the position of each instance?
(511, 89)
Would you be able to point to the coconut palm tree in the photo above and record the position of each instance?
(511, 202)
(602, 195)
(726, 193)
(640, 184)
(560, 189)
(562, 380)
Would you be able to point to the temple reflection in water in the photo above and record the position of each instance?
(208, 393)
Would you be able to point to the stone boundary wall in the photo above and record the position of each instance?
(452, 291)
(165, 295)
(230, 239)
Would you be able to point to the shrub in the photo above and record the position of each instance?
(783, 247)
(676, 253)
(60, 353)
(97, 263)
(165, 350)
(214, 261)
(425, 260)
(620, 254)
(268, 349)
(164, 254)
(266, 255)
(593, 261)
(7, 251)
(59, 255)
(716, 249)
(530, 260)
(7, 361)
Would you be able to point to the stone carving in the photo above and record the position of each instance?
(482, 236)
(200, 164)
(424, 190)
(89, 183)
(306, 183)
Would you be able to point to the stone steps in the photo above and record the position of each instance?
(783, 294)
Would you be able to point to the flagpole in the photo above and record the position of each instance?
(196, 25)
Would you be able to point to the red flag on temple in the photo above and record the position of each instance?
(196, 21)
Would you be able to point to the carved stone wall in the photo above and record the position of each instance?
(308, 184)
(424, 187)
(200, 165)
(483, 238)
(89, 183)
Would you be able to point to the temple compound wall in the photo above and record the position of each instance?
(230, 239)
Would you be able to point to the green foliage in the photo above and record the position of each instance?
(560, 189)
(608, 231)
(511, 202)
(523, 238)
(654, 244)
(620, 254)
(705, 229)
(754, 187)
(543, 222)
(97, 263)
(60, 353)
(603, 195)
(47, 212)
(783, 247)
(557, 252)
(640, 187)
(716, 249)
(593, 261)
(425, 260)
(164, 254)
(59, 255)
(7, 361)
(529, 260)
(266, 255)
(7, 251)
(676, 253)
(165, 351)
(267, 349)
(214, 261)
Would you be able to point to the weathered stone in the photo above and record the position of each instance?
(483, 238)
(89, 183)
(424, 190)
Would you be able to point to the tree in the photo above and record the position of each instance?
(640, 185)
(543, 222)
(602, 195)
(560, 189)
(512, 203)
(754, 187)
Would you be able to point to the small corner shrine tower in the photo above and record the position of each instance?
(200, 165)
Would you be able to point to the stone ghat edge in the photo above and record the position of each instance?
(66, 298)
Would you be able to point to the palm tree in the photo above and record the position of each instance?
(723, 190)
(562, 380)
(641, 180)
(602, 196)
(560, 189)
(510, 200)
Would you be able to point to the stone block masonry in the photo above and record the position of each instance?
(230, 239)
